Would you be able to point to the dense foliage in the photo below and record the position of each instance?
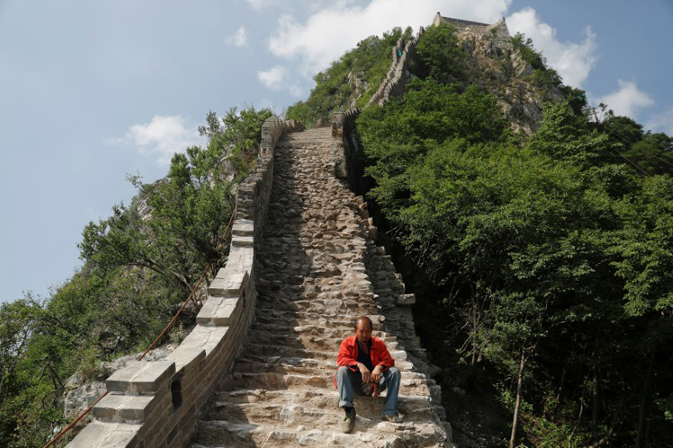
(139, 265)
(549, 259)
(335, 88)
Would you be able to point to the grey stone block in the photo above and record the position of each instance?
(203, 338)
(141, 377)
(243, 227)
(406, 300)
(217, 311)
(229, 286)
(186, 357)
(123, 408)
(106, 435)
(245, 241)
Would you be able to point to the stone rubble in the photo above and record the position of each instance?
(317, 270)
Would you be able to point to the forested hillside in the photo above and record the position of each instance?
(542, 263)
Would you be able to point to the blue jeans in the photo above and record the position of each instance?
(349, 384)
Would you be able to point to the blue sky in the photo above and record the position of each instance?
(93, 90)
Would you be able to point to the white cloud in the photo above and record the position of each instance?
(662, 122)
(162, 137)
(272, 78)
(258, 5)
(328, 33)
(627, 100)
(239, 38)
(573, 61)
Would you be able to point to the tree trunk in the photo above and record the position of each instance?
(644, 400)
(475, 326)
(595, 408)
(560, 387)
(517, 405)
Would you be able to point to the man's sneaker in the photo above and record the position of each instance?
(349, 421)
(396, 418)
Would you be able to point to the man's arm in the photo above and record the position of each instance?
(385, 360)
(345, 357)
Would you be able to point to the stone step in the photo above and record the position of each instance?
(250, 362)
(270, 315)
(367, 433)
(309, 307)
(317, 342)
(271, 350)
(332, 331)
(273, 380)
(411, 406)
(294, 413)
(412, 383)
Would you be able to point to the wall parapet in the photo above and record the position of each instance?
(157, 403)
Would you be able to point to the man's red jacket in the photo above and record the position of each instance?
(378, 353)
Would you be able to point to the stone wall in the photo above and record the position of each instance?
(157, 403)
(398, 74)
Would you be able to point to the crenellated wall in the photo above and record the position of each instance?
(157, 403)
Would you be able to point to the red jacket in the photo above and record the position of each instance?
(378, 353)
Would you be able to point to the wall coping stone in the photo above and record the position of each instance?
(120, 408)
(139, 377)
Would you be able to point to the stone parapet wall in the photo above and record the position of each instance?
(398, 74)
(158, 403)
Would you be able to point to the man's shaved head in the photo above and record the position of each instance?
(364, 320)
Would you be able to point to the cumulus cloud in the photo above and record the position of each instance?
(239, 38)
(627, 100)
(662, 122)
(272, 78)
(328, 33)
(573, 61)
(162, 137)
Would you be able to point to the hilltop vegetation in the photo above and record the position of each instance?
(139, 266)
(349, 82)
(542, 265)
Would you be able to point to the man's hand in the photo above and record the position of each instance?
(376, 374)
(366, 374)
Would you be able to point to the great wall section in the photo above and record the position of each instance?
(258, 368)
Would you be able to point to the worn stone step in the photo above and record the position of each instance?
(271, 350)
(411, 406)
(331, 331)
(317, 306)
(295, 413)
(270, 315)
(286, 364)
(412, 383)
(368, 433)
(273, 380)
(311, 341)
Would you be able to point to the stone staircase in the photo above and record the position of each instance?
(318, 270)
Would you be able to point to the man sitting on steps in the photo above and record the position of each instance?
(365, 366)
